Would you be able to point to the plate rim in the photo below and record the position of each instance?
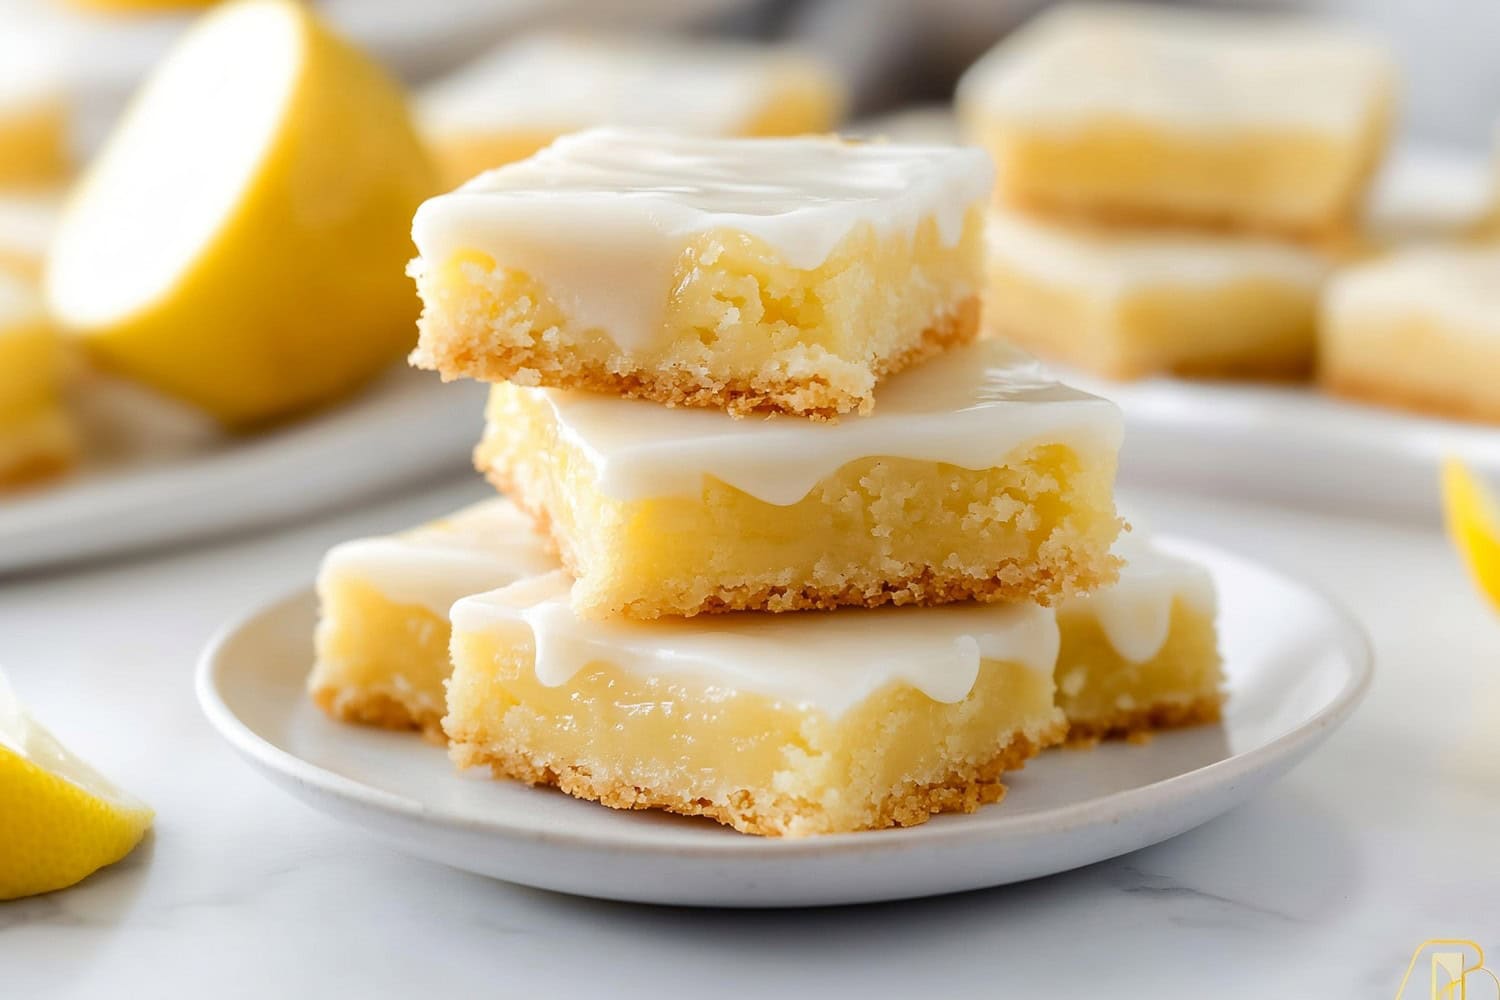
(1351, 639)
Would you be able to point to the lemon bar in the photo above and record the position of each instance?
(1129, 303)
(1419, 329)
(33, 109)
(37, 438)
(742, 274)
(1141, 654)
(781, 725)
(509, 104)
(382, 637)
(1144, 113)
(975, 477)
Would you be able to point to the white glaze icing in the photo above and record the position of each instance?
(555, 82)
(1210, 71)
(1135, 613)
(1116, 262)
(972, 406)
(487, 545)
(601, 218)
(825, 661)
(1457, 286)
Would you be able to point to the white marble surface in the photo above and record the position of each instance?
(1320, 887)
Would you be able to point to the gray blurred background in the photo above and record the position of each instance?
(893, 52)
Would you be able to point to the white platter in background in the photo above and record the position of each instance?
(187, 482)
(1297, 665)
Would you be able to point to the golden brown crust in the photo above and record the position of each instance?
(1037, 581)
(1136, 724)
(1483, 409)
(964, 788)
(455, 355)
(381, 709)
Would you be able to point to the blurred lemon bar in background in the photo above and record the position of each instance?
(975, 477)
(745, 274)
(62, 819)
(1126, 303)
(782, 725)
(1141, 654)
(27, 222)
(511, 103)
(382, 639)
(37, 438)
(239, 241)
(34, 140)
(1418, 329)
(1149, 114)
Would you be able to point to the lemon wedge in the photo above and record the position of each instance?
(61, 820)
(241, 240)
(1473, 519)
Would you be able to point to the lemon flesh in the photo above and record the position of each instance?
(1473, 519)
(240, 242)
(61, 820)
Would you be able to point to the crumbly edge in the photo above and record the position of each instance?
(1082, 572)
(965, 788)
(456, 354)
(364, 707)
(1130, 724)
(1411, 400)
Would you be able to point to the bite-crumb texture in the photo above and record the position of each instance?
(1128, 724)
(802, 380)
(382, 709)
(967, 786)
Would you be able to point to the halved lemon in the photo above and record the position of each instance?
(240, 242)
(61, 820)
(1473, 518)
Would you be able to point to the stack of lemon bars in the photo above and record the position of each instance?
(784, 542)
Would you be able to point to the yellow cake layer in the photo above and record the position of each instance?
(1104, 694)
(380, 662)
(1419, 329)
(1307, 186)
(879, 530)
(1117, 306)
(751, 762)
(742, 328)
(382, 636)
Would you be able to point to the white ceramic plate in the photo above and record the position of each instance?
(406, 429)
(1297, 666)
